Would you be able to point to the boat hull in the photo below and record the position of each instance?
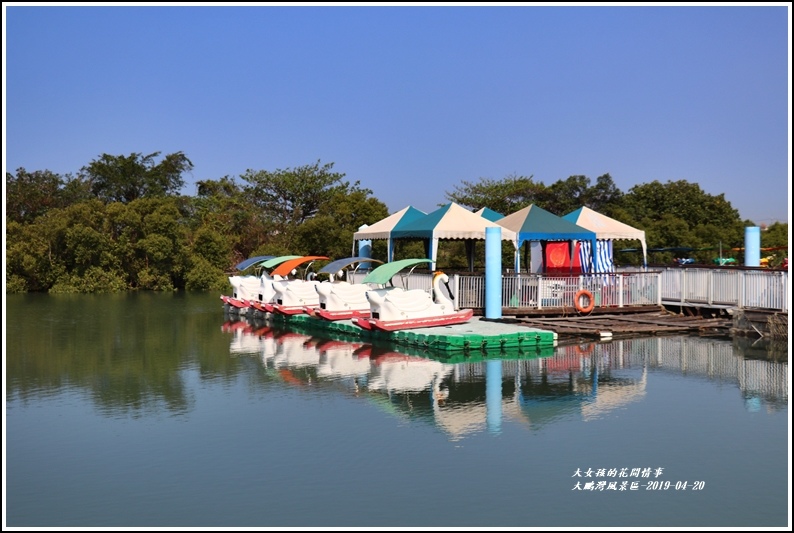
(348, 314)
(414, 323)
(287, 309)
(234, 302)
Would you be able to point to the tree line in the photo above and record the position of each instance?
(120, 223)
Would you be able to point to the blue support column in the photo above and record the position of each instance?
(493, 272)
(752, 246)
(364, 249)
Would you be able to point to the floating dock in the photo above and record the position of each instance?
(476, 334)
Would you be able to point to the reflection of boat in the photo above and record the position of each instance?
(339, 299)
(295, 350)
(392, 310)
(293, 295)
(339, 359)
(398, 372)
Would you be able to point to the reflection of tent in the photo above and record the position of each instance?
(606, 229)
(383, 228)
(536, 224)
(450, 222)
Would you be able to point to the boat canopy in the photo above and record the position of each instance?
(384, 273)
(252, 261)
(286, 267)
(270, 263)
(334, 266)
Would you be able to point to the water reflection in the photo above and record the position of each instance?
(466, 393)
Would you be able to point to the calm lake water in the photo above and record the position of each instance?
(157, 410)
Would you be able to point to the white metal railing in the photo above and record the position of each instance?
(762, 289)
(540, 291)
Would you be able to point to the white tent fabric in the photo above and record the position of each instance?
(450, 222)
(607, 228)
(383, 228)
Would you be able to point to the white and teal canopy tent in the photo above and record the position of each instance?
(383, 228)
(607, 230)
(450, 222)
(534, 225)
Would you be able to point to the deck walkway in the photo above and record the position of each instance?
(574, 329)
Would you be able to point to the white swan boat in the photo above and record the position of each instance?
(338, 298)
(294, 295)
(243, 286)
(252, 289)
(392, 310)
(266, 296)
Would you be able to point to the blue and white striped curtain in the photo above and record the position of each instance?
(603, 257)
(585, 257)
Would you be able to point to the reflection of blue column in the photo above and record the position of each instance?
(493, 272)
(493, 395)
(752, 246)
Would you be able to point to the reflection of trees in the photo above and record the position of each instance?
(115, 347)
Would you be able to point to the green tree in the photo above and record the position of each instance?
(127, 178)
(31, 194)
(222, 206)
(505, 196)
(681, 214)
(775, 236)
(285, 199)
(330, 231)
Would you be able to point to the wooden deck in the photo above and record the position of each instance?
(574, 328)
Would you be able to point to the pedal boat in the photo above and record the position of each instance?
(243, 286)
(294, 295)
(392, 310)
(338, 298)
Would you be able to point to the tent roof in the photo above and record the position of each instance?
(386, 271)
(286, 267)
(489, 214)
(536, 224)
(603, 226)
(451, 221)
(383, 228)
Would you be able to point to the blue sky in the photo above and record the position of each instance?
(411, 101)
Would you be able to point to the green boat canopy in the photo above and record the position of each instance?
(385, 272)
(270, 263)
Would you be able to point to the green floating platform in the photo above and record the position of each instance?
(476, 334)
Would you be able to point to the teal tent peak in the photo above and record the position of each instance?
(489, 214)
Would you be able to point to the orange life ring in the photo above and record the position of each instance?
(584, 309)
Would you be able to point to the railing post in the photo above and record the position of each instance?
(620, 290)
(742, 289)
(659, 291)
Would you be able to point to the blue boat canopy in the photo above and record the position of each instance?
(252, 261)
(335, 266)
